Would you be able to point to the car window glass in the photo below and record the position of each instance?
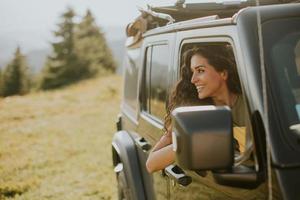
(131, 80)
(147, 79)
(297, 56)
(156, 80)
(282, 52)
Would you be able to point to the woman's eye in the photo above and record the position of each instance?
(200, 71)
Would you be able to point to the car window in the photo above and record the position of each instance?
(131, 80)
(156, 80)
(282, 50)
(240, 114)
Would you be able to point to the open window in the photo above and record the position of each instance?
(244, 172)
(239, 110)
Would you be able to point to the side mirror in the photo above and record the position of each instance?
(203, 137)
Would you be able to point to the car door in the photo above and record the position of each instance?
(204, 183)
(155, 82)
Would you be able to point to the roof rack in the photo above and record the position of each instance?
(147, 20)
(153, 17)
(162, 16)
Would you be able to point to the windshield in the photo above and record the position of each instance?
(282, 53)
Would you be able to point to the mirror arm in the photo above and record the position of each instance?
(239, 176)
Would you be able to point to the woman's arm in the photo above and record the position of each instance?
(161, 155)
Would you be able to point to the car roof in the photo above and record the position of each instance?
(182, 15)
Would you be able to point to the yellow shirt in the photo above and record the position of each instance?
(239, 122)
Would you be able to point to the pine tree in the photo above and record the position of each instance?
(91, 47)
(63, 66)
(15, 78)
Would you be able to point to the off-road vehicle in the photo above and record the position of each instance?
(265, 40)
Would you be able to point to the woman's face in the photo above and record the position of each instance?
(208, 81)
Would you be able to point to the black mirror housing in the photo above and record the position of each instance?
(203, 137)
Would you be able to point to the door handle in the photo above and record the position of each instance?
(143, 144)
(177, 174)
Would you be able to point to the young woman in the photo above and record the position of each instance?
(208, 77)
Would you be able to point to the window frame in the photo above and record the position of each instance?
(230, 41)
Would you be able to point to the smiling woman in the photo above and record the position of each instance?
(208, 77)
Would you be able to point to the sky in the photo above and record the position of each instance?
(43, 14)
(29, 23)
(16, 14)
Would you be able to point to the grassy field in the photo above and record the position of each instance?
(56, 144)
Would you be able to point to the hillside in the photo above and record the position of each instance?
(56, 144)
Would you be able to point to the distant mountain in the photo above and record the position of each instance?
(36, 59)
(7, 49)
(36, 46)
(118, 49)
(113, 33)
(29, 40)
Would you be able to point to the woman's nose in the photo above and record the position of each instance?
(193, 79)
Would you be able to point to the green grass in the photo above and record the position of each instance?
(56, 144)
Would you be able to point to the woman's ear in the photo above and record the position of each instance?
(224, 75)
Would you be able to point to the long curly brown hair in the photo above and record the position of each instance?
(221, 57)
